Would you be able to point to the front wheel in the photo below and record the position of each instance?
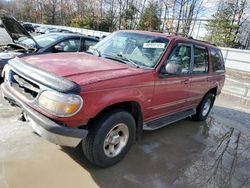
(109, 140)
(204, 108)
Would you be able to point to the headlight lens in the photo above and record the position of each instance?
(60, 104)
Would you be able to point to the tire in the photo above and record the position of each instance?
(204, 108)
(110, 138)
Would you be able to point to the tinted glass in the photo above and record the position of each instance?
(217, 60)
(47, 40)
(42, 40)
(70, 45)
(200, 60)
(88, 43)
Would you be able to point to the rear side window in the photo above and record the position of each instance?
(200, 60)
(217, 60)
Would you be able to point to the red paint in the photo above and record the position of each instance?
(105, 82)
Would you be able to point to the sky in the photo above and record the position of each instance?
(211, 6)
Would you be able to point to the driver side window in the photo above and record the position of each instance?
(180, 59)
(69, 45)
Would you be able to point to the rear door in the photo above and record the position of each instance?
(171, 91)
(199, 80)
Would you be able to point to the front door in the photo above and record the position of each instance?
(172, 89)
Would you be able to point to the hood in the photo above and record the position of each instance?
(81, 68)
(15, 29)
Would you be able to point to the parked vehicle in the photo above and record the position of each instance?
(24, 44)
(28, 27)
(48, 30)
(35, 26)
(41, 29)
(129, 82)
(56, 30)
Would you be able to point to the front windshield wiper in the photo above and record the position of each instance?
(120, 58)
(129, 60)
(116, 58)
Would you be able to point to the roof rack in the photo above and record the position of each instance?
(181, 34)
(205, 42)
(190, 37)
(158, 31)
(185, 36)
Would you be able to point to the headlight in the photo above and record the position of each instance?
(60, 104)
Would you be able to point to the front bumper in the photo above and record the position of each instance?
(44, 126)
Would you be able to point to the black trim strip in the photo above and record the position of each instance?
(45, 78)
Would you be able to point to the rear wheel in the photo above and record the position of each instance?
(109, 140)
(204, 108)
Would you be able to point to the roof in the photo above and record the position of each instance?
(70, 35)
(171, 37)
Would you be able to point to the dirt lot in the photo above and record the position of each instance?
(215, 153)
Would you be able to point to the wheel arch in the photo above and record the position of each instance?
(133, 107)
(213, 91)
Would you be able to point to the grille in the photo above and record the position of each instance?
(23, 86)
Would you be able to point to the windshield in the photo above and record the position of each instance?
(141, 49)
(42, 40)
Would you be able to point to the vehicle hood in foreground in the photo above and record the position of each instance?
(81, 67)
(15, 29)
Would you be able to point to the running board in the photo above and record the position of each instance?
(166, 120)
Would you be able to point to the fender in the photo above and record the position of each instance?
(98, 101)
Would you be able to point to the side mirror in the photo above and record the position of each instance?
(58, 48)
(172, 68)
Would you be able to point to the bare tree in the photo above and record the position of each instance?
(176, 16)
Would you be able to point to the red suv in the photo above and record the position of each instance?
(129, 82)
